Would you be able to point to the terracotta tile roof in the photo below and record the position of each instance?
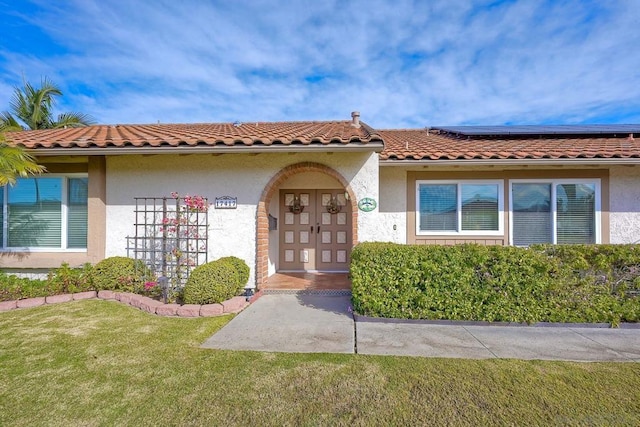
(399, 144)
(209, 134)
(433, 145)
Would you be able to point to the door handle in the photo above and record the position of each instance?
(312, 229)
(318, 225)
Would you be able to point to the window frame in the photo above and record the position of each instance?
(459, 183)
(555, 182)
(63, 214)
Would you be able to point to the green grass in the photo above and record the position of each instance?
(96, 362)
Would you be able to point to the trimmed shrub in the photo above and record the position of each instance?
(213, 282)
(241, 268)
(569, 283)
(120, 274)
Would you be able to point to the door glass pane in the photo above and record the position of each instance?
(35, 213)
(531, 214)
(479, 207)
(77, 213)
(575, 204)
(438, 207)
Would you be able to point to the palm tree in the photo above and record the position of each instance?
(15, 162)
(33, 107)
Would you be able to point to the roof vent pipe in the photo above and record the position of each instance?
(355, 119)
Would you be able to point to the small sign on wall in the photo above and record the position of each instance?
(367, 204)
(226, 202)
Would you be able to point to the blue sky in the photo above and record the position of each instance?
(400, 63)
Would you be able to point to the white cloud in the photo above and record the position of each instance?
(401, 64)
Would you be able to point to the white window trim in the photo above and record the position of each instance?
(64, 211)
(459, 232)
(554, 214)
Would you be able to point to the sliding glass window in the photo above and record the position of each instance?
(462, 207)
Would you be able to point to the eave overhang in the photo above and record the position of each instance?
(513, 162)
(371, 146)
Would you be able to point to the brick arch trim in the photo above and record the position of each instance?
(262, 220)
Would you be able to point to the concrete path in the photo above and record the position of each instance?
(290, 323)
(324, 324)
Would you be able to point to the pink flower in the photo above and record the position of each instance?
(149, 285)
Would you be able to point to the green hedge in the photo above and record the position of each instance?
(216, 281)
(241, 268)
(122, 274)
(573, 283)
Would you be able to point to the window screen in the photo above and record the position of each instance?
(34, 213)
(531, 214)
(77, 213)
(480, 207)
(575, 207)
(438, 207)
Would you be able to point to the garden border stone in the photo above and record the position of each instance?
(189, 310)
(53, 299)
(85, 295)
(31, 302)
(8, 305)
(149, 305)
(234, 305)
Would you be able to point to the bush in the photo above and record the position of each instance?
(15, 288)
(572, 283)
(213, 282)
(67, 280)
(121, 274)
(241, 268)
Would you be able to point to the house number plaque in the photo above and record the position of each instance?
(226, 202)
(367, 204)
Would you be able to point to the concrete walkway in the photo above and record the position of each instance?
(324, 324)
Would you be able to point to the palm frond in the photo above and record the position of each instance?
(8, 123)
(16, 163)
(73, 120)
(34, 107)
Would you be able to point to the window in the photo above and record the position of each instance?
(45, 212)
(558, 211)
(464, 207)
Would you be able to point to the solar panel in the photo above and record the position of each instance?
(542, 130)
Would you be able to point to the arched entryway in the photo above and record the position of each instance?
(272, 190)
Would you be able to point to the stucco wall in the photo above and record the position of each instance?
(232, 232)
(624, 188)
(392, 222)
(624, 203)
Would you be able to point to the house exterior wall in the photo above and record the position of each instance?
(398, 199)
(392, 206)
(232, 231)
(115, 181)
(625, 204)
(96, 205)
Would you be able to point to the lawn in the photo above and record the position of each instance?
(102, 363)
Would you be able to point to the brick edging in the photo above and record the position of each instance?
(233, 305)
